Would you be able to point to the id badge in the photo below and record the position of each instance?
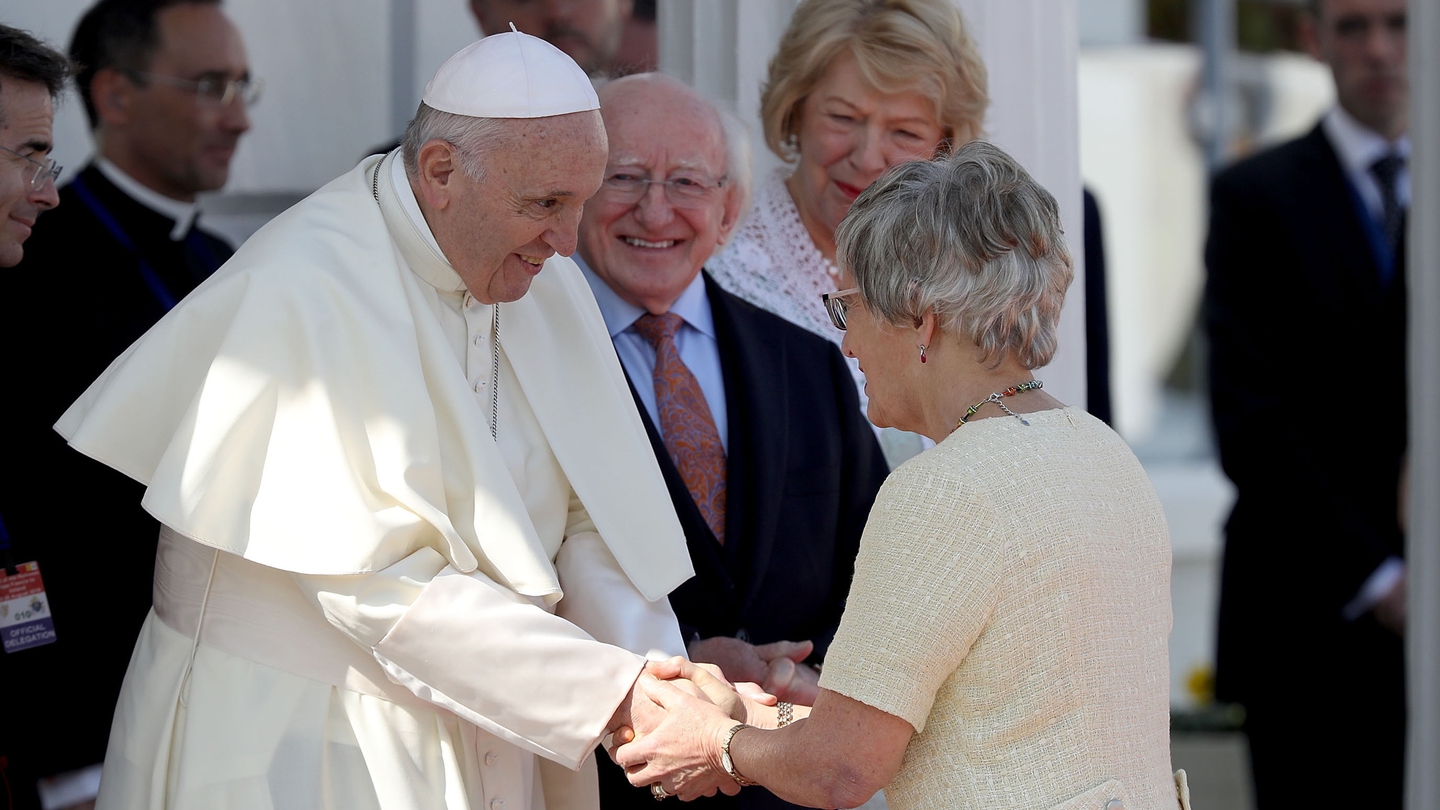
(25, 620)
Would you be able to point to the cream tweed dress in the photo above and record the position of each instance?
(1012, 602)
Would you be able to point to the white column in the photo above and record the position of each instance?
(722, 48)
(1031, 48)
(1422, 551)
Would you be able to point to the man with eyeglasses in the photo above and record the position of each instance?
(32, 76)
(165, 86)
(1307, 274)
(754, 421)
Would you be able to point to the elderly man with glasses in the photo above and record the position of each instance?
(754, 421)
(165, 86)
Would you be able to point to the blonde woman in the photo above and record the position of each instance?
(1004, 643)
(856, 87)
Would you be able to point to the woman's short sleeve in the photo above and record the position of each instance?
(926, 580)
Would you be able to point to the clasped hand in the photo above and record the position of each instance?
(678, 716)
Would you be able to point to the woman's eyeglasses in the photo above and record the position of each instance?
(837, 306)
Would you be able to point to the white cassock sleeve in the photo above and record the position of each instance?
(546, 682)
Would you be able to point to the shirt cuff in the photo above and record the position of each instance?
(1376, 586)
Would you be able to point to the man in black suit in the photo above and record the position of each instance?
(1305, 306)
(755, 422)
(165, 86)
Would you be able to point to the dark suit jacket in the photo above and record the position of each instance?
(803, 467)
(76, 302)
(1307, 375)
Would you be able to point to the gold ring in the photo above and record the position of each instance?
(659, 792)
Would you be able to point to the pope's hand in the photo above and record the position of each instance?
(682, 753)
(636, 705)
(736, 700)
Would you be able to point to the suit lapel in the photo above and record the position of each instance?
(756, 398)
(1331, 203)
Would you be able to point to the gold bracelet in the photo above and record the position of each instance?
(727, 762)
(785, 714)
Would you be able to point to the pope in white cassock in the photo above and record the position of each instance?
(416, 547)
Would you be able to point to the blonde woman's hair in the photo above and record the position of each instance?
(899, 45)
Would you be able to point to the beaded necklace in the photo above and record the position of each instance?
(996, 398)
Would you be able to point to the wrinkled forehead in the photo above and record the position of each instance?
(668, 140)
(563, 154)
(27, 113)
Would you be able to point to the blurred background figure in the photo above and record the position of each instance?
(776, 422)
(855, 87)
(640, 43)
(591, 32)
(165, 86)
(1306, 287)
(32, 76)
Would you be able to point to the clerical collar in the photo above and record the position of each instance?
(409, 203)
(693, 305)
(183, 213)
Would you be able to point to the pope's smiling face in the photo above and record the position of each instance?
(648, 250)
(497, 231)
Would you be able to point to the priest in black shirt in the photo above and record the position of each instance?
(165, 86)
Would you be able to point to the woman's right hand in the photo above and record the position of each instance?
(740, 701)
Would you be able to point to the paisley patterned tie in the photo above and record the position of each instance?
(685, 419)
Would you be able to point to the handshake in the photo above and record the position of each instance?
(671, 730)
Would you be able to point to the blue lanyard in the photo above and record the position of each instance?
(6, 561)
(152, 279)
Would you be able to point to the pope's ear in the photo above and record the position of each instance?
(436, 167)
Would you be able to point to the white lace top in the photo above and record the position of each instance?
(773, 263)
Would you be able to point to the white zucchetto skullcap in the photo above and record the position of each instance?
(510, 75)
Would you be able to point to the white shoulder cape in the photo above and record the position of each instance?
(302, 409)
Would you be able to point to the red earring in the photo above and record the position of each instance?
(922, 352)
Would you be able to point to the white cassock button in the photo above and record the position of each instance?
(476, 341)
(497, 804)
(1115, 804)
(481, 385)
(491, 757)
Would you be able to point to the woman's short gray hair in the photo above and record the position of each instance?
(472, 138)
(970, 236)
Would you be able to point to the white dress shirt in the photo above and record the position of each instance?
(1358, 147)
(699, 350)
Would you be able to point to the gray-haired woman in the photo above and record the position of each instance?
(1004, 642)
